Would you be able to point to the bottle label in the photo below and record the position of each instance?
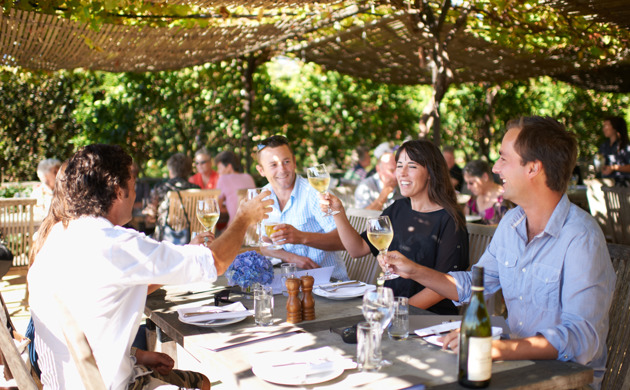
(479, 358)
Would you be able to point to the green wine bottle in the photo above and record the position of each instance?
(475, 338)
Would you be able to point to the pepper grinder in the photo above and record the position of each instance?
(294, 306)
(308, 303)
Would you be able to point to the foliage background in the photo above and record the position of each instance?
(325, 114)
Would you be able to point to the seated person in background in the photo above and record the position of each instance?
(457, 177)
(547, 255)
(379, 190)
(487, 196)
(361, 161)
(308, 237)
(616, 151)
(43, 192)
(428, 226)
(206, 178)
(231, 179)
(112, 268)
(179, 167)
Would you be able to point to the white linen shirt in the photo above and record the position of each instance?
(303, 213)
(101, 273)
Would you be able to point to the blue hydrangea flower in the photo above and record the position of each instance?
(248, 268)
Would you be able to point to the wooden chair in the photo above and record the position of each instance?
(18, 226)
(617, 374)
(479, 237)
(12, 356)
(618, 211)
(596, 202)
(190, 198)
(366, 268)
(80, 351)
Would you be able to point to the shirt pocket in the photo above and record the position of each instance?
(545, 286)
(506, 262)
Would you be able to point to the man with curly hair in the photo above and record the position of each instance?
(101, 272)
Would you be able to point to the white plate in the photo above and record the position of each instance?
(344, 293)
(264, 372)
(217, 323)
(473, 218)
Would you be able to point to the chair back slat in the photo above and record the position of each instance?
(365, 268)
(617, 375)
(479, 237)
(176, 218)
(80, 351)
(11, 354)
(618, 211)
(18, 226)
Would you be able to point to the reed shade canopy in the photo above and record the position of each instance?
(388, 48)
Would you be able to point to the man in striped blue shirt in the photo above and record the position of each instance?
(308, 238)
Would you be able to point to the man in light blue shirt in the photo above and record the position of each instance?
(549, 256)
(308, 237)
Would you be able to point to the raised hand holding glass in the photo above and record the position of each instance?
(208, 213)
(319, 178)
(380, 233)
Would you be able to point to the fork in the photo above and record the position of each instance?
(335, 288)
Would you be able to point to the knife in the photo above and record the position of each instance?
(257, 340)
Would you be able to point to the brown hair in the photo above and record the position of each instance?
(441, 189)
(58, 212)
(93, 176)
(546, 140)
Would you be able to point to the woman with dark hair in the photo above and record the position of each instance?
(231, 179)
(428, 227)
(616, 151)
(487, 201)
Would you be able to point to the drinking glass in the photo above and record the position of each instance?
(399, 327)
(263, 305)
(253, 238)
(287, 270)
(368, 337)
(378, 308)
(208, 213)
(269, 226)
(380, 233)
(319, 178)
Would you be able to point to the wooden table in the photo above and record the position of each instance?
(415, 361)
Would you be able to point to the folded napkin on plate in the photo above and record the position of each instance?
(234, 310)
(299, 365)
(341, 291)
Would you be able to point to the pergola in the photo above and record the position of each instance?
(385, 49)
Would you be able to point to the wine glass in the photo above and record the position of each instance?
(380, 233)
(251, 194)
(270, 227)
(208, 213)
(319, 178)
(378, 308)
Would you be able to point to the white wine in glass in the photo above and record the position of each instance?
(208, 213)
(380, 233)
(319, 178)
(257, 241)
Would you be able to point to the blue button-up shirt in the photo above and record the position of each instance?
(559, 285)
(302, 211)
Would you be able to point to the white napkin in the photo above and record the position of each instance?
(440, 330)
(296, 366)
(234, 310)
(344, 291)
